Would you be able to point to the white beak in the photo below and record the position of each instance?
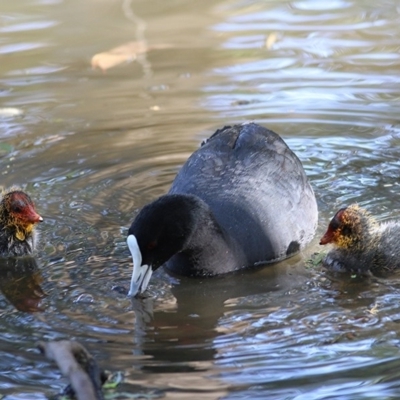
(141, 274)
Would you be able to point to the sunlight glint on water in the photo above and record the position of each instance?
(92, 147)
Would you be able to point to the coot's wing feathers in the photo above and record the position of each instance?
(256, 188)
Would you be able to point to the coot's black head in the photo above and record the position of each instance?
(160, 230)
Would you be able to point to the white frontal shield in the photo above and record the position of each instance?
(141, 274)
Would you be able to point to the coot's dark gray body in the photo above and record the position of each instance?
(257, 191)
(240, 200)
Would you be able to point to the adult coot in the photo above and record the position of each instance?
(240, 200)
(17, 223)
(361, 243)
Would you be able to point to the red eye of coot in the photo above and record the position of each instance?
(151, 245)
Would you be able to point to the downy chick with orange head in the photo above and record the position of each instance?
(18, 218)
(361, 243)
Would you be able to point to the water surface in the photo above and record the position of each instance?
(92, 147)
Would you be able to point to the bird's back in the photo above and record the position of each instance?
(257, 189)
(389, 246)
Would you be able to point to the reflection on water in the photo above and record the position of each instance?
(92, 147)
(20, 281)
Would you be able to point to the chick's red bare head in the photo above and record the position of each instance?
(21, 209)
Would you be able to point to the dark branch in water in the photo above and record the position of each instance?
(78, 365)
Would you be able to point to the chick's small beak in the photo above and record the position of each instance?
(32, 216)
(327, 238)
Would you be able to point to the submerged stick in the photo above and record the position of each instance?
(78, 365)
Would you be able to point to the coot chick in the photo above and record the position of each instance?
(362, 245)
(240, 200)
(17, 224)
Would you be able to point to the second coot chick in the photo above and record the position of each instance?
(361, 244)
(18, 218)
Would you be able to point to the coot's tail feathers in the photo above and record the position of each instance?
(247, 135)
(216, 133)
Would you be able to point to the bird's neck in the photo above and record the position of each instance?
(369, 234)
(16, 240)
(19, 231)
(207, 250)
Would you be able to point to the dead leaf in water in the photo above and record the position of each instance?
(374, 310)
(121, 54)
(118, 55)
(270, 41)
